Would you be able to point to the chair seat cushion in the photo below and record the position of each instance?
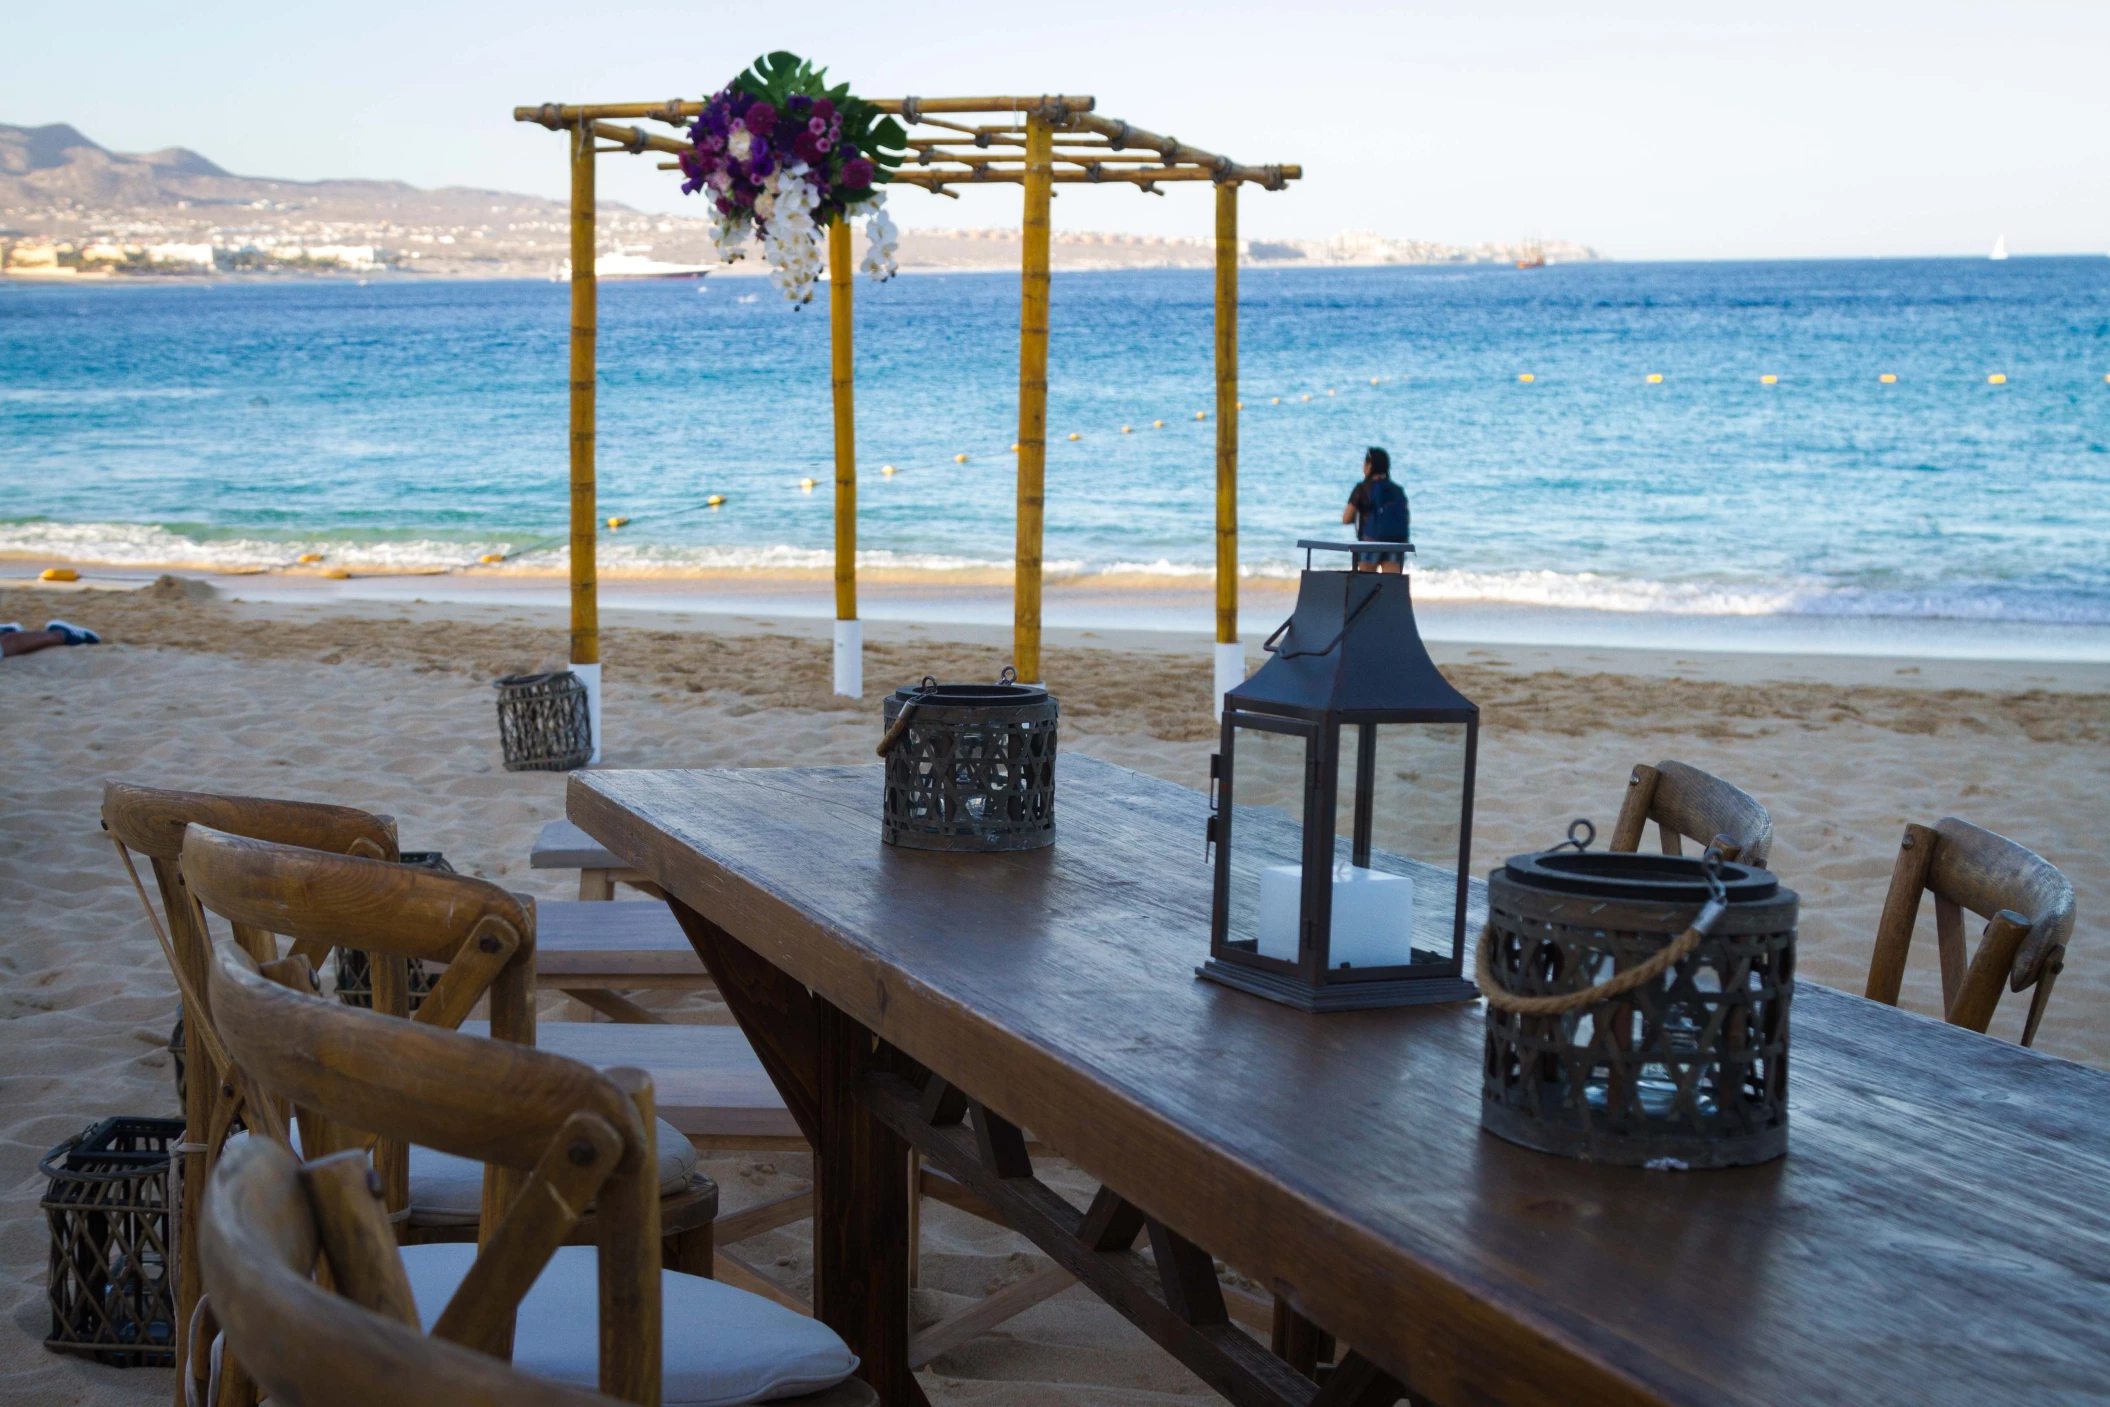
(719, 1345)
(449, 1191)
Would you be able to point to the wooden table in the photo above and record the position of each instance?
(593, 951)
(1939, 1231)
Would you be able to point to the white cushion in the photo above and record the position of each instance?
(449, 1191)
(719, 1345)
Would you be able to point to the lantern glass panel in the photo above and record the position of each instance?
(1266, 841)
(1399, 803)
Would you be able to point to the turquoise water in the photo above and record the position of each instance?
(424, 424)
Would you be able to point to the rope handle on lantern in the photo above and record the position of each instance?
(1619, 983)
(908, 709)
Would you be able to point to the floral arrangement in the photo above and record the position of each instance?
(780, 155)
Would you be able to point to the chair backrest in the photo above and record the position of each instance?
(266, 1219)
(485, 936)
(1684, 801)
(577, 1136)
(2027, 903)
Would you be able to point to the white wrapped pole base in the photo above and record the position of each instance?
(590, 676)
(1230, 671)
(1373, 916)
(849, 658)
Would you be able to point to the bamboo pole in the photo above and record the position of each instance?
(1032, 401)
(849, 644)
(585, 597)
(1230, 656)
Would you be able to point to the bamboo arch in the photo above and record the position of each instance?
(1038, 143)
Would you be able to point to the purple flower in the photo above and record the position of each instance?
(817, 125)
(761, 165)
(823, 108)
(857, 173)
(805, 148)
(822, 144)
(761, 117)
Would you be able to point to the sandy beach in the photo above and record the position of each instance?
(388, 706)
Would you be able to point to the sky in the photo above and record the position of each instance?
(1654, 131)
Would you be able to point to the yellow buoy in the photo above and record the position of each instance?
(1768, 380)
(718, 499)
(1278, 399)
(1526, 377)
(1075, 436)
(309, 557)
(1374, 380)
(1330, 391)
(58, 574)
(1888, 378)
(492, 559)
(1241, 405)
(1157, 424)
(1128, 429)
(614, 523)
(888, 470)
(962, 459)
(338, 574)
(806, 485)
(1655, 378)
(1996, 379)
(1201, 415)
(1307, 398)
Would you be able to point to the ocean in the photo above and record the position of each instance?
(398, 424)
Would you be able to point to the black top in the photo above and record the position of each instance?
(1359, 500)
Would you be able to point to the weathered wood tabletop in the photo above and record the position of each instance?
(1939, 1231)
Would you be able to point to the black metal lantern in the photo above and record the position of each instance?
(1343, 800)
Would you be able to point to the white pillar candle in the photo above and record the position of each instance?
(1373, 915)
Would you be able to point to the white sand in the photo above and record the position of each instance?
(390, 709)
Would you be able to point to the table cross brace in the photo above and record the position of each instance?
(1215, 1350)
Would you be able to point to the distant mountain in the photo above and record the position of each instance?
(58, 166)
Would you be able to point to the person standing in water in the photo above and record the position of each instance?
(1378, 508)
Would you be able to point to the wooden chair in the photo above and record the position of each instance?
(2027, 903)
(150, 821)
(564, 1135)
(484, 936)
(1684, 801)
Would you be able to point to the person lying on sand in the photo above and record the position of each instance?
(14, 640)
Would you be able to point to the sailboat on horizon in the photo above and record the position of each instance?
(1999, 247)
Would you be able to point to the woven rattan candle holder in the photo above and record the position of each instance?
(970, 766)
(1637, 1008)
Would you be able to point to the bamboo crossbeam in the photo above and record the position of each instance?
(1173, 149)
(932, 179)
(911, 108)
(675, 110)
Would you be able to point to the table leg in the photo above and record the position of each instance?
(860, 1176)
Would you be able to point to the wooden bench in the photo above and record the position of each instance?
(563, 846)
(593, 951)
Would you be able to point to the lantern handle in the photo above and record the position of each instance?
(908, 710)
(1270, 646)
(1579, 843)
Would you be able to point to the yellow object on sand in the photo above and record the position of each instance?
(58, 574)
(309, 557)
(1769, 380)
(614, 523)
(492, 559)
(1996, 379)
(1526, 377)
(1655, 378)
(1888, 378)
(337, 574)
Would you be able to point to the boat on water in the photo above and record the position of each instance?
(1534, 257)
(620, 265)
(1999, 248)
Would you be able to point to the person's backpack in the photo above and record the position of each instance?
(1389, 518)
